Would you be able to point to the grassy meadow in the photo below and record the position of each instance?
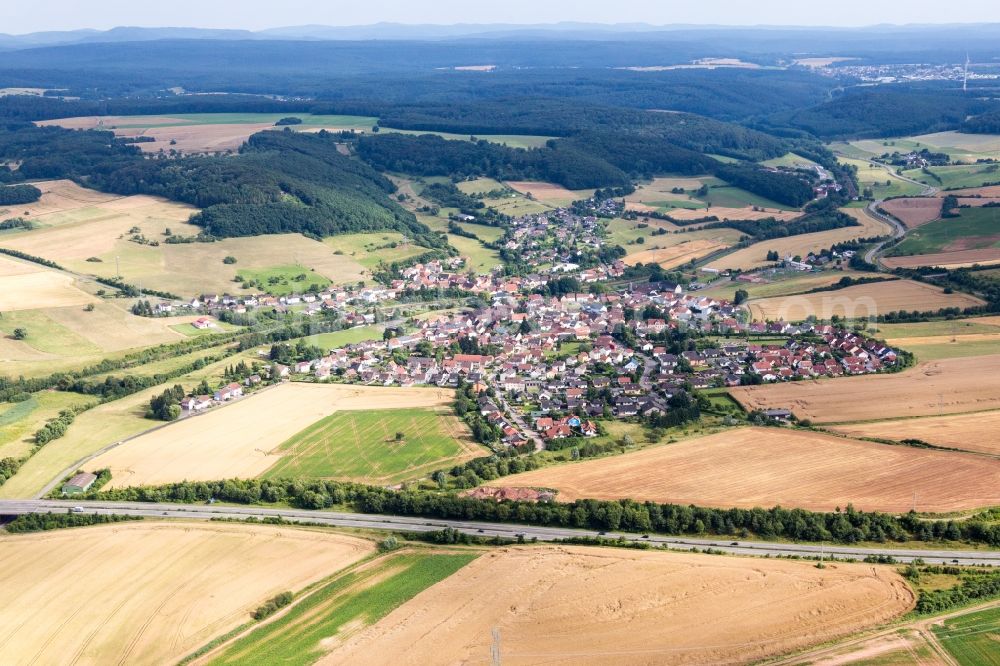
(362, 446)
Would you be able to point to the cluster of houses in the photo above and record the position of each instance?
(193, 404)
(841, 352)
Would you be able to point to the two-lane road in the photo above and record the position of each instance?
(487, 529)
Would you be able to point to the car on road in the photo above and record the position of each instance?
(77, 509)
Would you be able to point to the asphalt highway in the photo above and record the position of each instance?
(486, 529)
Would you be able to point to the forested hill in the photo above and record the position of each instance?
(550, 117)
(585, 161)
(886, 111)
(279, 182)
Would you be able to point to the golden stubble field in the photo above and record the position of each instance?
(675, 255)
(755, 256)
(859, 301)
(241, 440)
(969, 432)
(576, 605)
(148, 592)
(946, 386)
(26, 286)
(763, 467)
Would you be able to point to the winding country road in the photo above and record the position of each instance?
(488, 529)
(874, 254)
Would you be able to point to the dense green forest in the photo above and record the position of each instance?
(553, 117)
(885, 111)
(280, 182)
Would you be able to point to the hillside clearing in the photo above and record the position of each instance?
(573, 605)
(755, 467)
(152, 592)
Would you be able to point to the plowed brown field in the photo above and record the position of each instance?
(577, 605)
(948, 386)
(762, 467)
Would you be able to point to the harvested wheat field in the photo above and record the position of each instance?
(948, 386)
(675, 255)
(959, 259)
(969, 432)
(40, 288)
(745, 213)
(242, 439)
(755, 256)
(146, 592)
(574, 605)
(549, 193)
(77, 224)
(58, 196)
(760, 467)
(860, 301)
(208, 138)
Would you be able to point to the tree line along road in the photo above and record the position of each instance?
(503, 530)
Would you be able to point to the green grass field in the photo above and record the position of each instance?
(284, 280)
(789, 160)
(883, 182)
(951, 177)
(481, 259)
(931, 328)
(794, 283)
(960, 349)
(973, 639)
(362, 446)
(20, 420)
(729, 196)
(371, 249)
(483, 232)
(976, 228)
(345, 337)
(358, 598)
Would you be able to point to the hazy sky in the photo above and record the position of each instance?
(20, 16)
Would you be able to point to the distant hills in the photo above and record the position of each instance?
(756, 38)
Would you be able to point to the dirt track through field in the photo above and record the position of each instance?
(241, 440)
(761, 467)
(947, 386)
(148, 592)
(575, 605)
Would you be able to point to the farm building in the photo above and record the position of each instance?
(80, 483)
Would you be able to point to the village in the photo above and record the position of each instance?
(548, 363)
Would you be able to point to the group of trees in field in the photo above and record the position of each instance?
(166, 406)
(19, 194)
